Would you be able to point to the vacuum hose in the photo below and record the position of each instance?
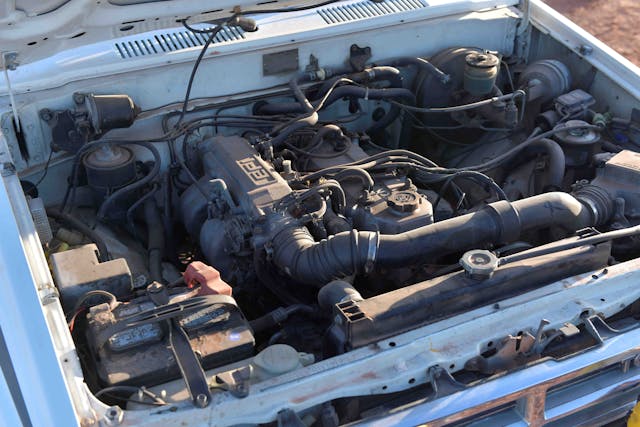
(156, 242)
(346, 253)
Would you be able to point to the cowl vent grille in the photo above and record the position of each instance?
(368, 9)
(173, 41)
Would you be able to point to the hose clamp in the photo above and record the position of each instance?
(508, 221)
(595, 213)
(371, 73)
(372, 251)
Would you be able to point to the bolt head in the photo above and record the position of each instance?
(202, 400)
(78, 98)
(87, 422)
(46, 114)
(155, 287)
(586, 50)
(114, 416)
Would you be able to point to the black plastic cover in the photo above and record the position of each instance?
(359, 323)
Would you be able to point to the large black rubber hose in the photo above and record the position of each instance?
(381, 73)
(74, 222)
(557, 163)
(347, 253)
(339, 93)
(155, 169)
(421, 63)
(155, 239)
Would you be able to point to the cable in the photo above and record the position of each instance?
(74, 222)
(46, 169)
(373, 160)
(87, 147)
(354, 171)
(264, 11)
(113, 301)
(559, 247)
(317, 140)
(497, 160)
(335, 190)
(136, 205)
(464, 107)
(311, 116)
(214, 31)
(212, 34)
(320, 155)
(314, 215)
(508, 72)
(136, 184)
(476, 177)
(141, 391)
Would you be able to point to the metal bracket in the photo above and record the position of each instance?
(7, 169)
(442, 382)
(235, 382)
(10, 60)
(288, 418)
(358, 57)
(49, 294)
(542, 340)
(525, 6)
(539, 344)
(313, 65)
(512, 352)
(189, 364)
(598, 328)
(523, 30)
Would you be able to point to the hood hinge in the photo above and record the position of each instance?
(525, 7)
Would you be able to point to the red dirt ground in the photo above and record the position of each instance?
(615, 22)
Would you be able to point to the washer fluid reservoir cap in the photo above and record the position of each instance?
(278, 359)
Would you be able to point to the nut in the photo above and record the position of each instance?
(202, 400)
(114, 416)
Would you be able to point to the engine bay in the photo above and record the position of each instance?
(268, 232)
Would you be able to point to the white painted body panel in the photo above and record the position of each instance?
(32, 322)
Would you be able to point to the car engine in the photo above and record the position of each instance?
(361, 201)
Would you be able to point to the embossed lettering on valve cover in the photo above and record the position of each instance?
(255, 171)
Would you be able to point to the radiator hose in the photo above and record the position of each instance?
(346, 253)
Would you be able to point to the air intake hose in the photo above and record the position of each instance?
(346, 253)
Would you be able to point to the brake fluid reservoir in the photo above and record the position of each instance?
(480, 72)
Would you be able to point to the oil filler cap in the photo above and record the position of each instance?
(404, 201)
(479, 264)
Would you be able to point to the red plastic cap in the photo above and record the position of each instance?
(199, 273)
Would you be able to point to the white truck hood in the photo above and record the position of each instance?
(31, 30)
